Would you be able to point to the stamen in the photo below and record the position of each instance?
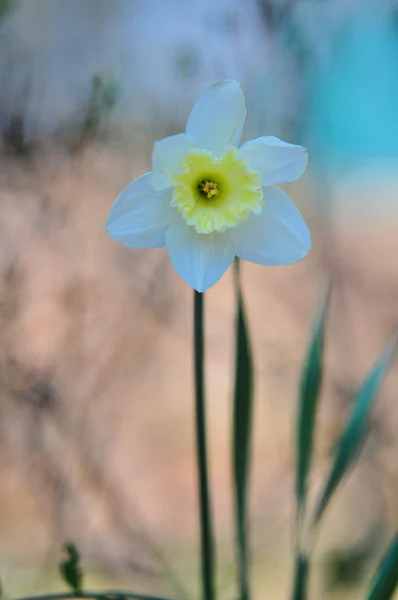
(208, 188)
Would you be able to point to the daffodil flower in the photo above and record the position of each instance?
(209, 201)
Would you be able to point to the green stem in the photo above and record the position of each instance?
(206, 524)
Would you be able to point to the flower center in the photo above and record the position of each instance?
(234, 190)
(208, 188)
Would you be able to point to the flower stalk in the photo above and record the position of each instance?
(205, 512)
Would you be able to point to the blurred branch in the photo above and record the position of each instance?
(102, 100)
(275, 15)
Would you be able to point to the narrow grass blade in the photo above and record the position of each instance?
(242, 435)
(311, 381)
(71, 570)
(300, 584)
(206, 520)
(310, 387)
(385, 581)
(354, 435)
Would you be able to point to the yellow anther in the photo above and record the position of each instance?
(208, 188)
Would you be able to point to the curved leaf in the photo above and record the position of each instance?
(311, 381)
(385, 581)
(354, 435)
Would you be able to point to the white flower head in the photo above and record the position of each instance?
(209, 201)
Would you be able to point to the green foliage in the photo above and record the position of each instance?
(385, 581)
(345, 568)
(310, 386)
(300, 582)
(347, 449)
(354, 434)
(71, 570)
(242, 433)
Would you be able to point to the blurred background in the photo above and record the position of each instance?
(96, 399)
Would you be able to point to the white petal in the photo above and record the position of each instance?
(200, 259)
(277, 236)
(218, 116)
(277, 161)
(141, 215)
(166, 158)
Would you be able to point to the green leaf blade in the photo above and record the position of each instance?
(309, 394)
(311, 381)
(385, 581)
(300, 584)
(242, 435)
(71, 570)
(354, 434)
